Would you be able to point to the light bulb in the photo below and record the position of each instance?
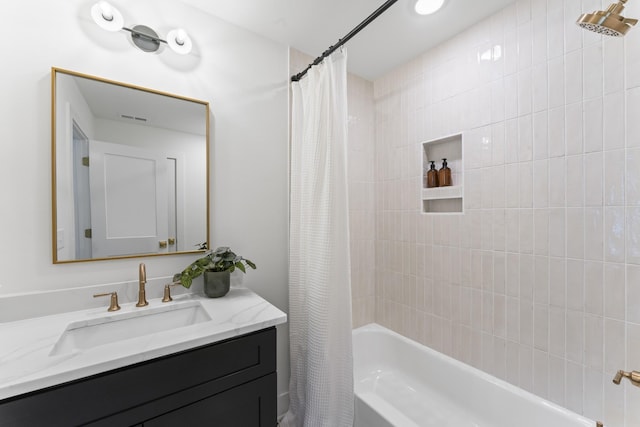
(106, 16)
(427, 7)
(179, 41)
(181, 36)
(106, 10)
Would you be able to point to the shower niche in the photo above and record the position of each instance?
(449, 199)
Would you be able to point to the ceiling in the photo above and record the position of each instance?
(312, 26)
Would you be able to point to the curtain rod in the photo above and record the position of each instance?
(345, 39)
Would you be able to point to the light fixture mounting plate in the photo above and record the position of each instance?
(145, 38)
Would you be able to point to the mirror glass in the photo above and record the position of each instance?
(129, 170)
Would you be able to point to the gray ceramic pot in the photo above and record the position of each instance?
(216, 283)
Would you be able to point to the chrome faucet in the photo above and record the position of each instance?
(142, 280)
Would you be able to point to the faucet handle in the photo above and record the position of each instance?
(113, 305)
(167, 291)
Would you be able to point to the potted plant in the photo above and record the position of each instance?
(217, 267)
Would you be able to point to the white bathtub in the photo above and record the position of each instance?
(400, 383)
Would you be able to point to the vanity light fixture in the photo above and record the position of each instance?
(145, 38)
(427, 7)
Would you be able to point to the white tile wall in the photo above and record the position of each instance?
(539, 281)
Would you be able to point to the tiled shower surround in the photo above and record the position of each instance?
(538, 282)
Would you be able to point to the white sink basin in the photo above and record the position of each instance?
(87, 334)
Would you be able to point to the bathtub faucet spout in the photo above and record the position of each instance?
(633, 376)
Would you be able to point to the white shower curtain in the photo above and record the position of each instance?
(321, 386)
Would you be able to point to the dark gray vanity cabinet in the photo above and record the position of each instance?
(229, 383)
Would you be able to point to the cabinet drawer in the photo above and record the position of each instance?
(220, 365)
(249, 405)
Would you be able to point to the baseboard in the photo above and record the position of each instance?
(283, 404)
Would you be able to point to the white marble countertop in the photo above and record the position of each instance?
(25, 346)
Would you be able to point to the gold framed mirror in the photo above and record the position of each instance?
(130, 170)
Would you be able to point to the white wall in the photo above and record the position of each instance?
(71, 107)
(243, 76)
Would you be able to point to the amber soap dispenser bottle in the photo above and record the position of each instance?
(432, 176)
(444, 175)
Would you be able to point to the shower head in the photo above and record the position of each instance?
(609, 22)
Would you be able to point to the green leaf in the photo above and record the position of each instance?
(202, 261)
(250, 264)
(186, 281)
(240, 266)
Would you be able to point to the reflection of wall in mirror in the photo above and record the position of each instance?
(71, 107)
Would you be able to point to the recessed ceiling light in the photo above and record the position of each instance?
(427, 7)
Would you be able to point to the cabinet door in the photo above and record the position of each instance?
(250, 405)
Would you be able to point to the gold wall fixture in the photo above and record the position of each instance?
(633, 376)
(607, 22)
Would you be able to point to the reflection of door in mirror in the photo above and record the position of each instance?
(147, 157)
(129, 192)
(172, 207)
(81, 205)
(132, 194)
